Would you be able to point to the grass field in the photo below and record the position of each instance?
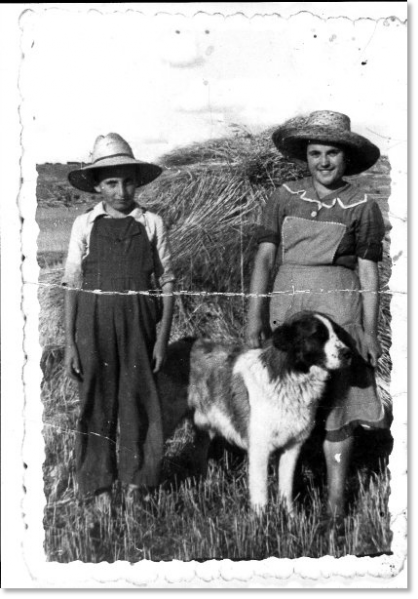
(223, 186)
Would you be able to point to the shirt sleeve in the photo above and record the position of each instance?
(163, 268)
(73, 276)
(370, 231)
(269, 228)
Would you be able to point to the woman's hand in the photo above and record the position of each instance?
(371, 349)
(369, 283)
(262, 269)
(159, 353)
(254, 334)
(72, 362)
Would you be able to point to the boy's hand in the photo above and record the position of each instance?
(72, 362)
(159, 354)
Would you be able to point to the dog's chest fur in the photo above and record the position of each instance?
(282, 407)
(243, 395)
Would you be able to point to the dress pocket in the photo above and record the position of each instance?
(309, 242)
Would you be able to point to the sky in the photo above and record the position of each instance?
(167, 81)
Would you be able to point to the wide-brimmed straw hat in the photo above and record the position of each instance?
(111, 150)
(325, 126)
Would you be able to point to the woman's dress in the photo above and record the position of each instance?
(319, 244)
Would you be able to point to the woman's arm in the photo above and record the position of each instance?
(369, 283)
(262, 269)
(72, 360)
(165, 326)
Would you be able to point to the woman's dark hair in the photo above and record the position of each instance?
(324, 142)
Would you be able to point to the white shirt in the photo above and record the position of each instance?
(78, 248)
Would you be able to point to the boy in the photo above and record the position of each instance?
(112, 346)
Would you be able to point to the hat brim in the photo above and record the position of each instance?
(292, 143)
(84, 178)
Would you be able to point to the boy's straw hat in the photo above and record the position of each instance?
(111, 150)
(325, 126)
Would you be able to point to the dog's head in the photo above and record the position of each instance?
(313, 339)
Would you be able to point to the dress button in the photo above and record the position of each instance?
(314, 213)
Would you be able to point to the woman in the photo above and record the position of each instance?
(329, 236)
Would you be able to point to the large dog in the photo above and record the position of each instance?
(259, 399)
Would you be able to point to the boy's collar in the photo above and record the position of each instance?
(100, 210)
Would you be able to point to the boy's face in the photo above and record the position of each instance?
(117, 186)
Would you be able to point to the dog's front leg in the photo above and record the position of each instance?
(258, 456)
(201, 445)
(287, 467)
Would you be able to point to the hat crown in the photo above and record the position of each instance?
(109, 145)
(329, 120)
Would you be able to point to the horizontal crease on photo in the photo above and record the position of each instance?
(215, 293)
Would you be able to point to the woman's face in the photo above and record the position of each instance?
(326, 164)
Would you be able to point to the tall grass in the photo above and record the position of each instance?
(211, 519)
(211, 197)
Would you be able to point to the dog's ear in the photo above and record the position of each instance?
(284, 337)
(345, 337)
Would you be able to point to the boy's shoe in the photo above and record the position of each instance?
(95, 508)
(103, 503)
(140, 496)
(134, 493)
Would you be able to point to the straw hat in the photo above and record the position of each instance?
(325, 126)
(111, 150)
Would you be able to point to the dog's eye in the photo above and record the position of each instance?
(321, 334)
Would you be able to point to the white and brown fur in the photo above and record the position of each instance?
(266, 399)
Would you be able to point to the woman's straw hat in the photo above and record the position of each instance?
(325, 126)
(111, 150)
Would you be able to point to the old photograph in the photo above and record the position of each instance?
(213, 285)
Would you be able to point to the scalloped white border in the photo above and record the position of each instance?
(24, 561)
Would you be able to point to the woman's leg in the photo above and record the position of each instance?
(337, 458)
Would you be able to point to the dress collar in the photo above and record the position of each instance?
(345, 196)
(332, 195)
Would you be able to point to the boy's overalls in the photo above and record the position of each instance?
(115, 336)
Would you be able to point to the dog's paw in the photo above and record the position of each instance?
(290, 512)
(259, 506)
